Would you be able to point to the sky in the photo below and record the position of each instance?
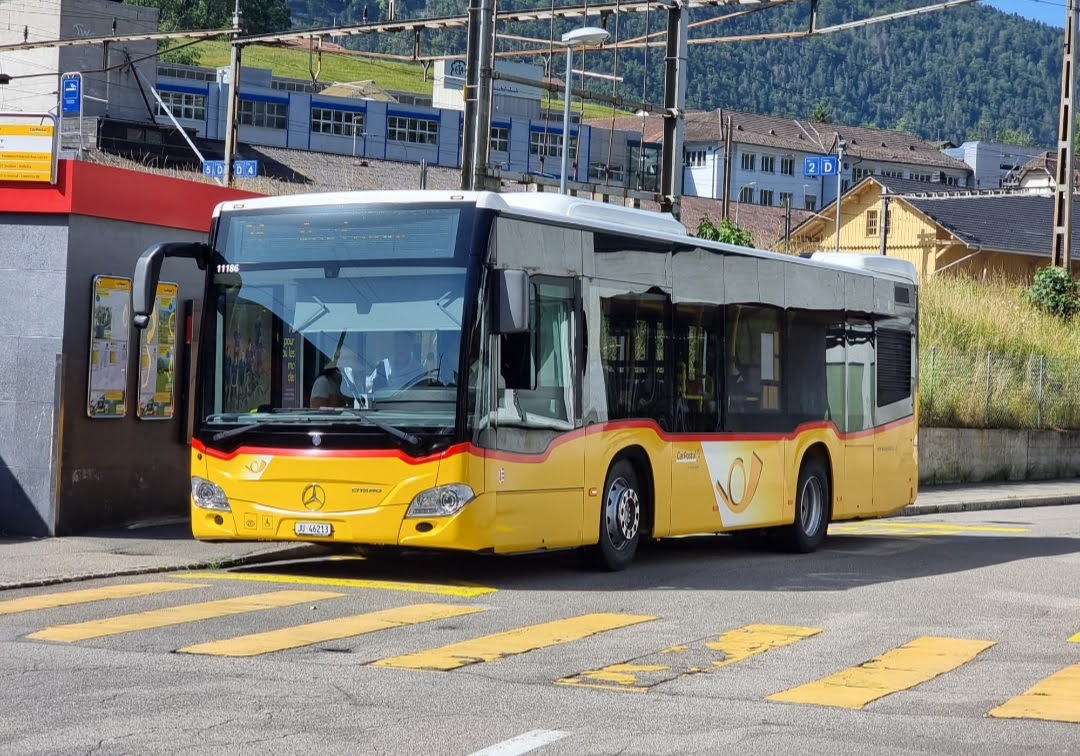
(1047, 11)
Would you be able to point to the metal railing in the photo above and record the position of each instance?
(993, 390)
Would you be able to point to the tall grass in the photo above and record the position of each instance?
(1032, 376)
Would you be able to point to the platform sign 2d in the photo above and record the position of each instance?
(820, 165)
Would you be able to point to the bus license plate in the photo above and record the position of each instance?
(323, 529)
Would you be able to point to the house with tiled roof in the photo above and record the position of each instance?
(1040, 173)
(768, 152)
(939, 228)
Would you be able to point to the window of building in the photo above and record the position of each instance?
(765, 197)
(810, 202)
(604, 172)
(270, 115)
(337, 122)
(550, 143)
(644, 166)
(768, 164)
(177, 72)
(844, 186)
(746, 194)
(412, 130)
(858, 174)
(786, 199)
(787, 166)
(183, 105)
(749, 161)
(952, 181)
(287, 85)
(500, 139)
(892, 173)
(871, 222)
(753, 373)
(694, 158)
(921, 177)
(893, 366)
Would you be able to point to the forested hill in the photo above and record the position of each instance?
(970, 71)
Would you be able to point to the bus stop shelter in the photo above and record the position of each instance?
(90, 409)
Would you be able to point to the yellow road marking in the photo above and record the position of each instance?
(757, 639)
(883, 527)
(86, 595)
(439, 589)
(1056, 698)
(333, 629)
(177, 615)
(905, 667)
(638, 675)
(518, 641)
(1075, 638)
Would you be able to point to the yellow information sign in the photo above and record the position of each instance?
(157, 363)
(110, 325)
(27, 152)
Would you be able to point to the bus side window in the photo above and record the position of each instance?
(516, 368)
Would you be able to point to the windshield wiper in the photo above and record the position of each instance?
(221, 435)
(394, 431)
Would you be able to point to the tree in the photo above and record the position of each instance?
(821, 113)
(726, 232)
(257, 16)
(1019, 137)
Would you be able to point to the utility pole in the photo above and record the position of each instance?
(1061, 251)
(472, 70)
(232, 114)
(840, 145)
(674, 104)
(729, 155)
(484, 93)
(884, 220)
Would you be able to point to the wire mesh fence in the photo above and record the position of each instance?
(990, 390)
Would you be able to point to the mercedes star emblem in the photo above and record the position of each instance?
(313, 497)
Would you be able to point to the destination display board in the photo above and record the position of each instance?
(27, 152)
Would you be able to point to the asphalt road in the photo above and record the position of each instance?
(900, 636)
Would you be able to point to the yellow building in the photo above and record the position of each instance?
(939, 228)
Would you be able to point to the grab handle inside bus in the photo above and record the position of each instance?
(511, 305)
(148, 270)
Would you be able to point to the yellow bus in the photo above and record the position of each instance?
(520, 372)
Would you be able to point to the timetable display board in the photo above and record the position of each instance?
(157, 357)
(110, 326)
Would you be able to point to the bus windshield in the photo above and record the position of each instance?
(344, 314)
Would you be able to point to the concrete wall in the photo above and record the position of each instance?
(33, 262)
(969, 455)
(114, 471)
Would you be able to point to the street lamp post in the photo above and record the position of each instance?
(585, 37)
(738, 200)
(840, 145)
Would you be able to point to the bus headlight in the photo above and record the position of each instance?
(441, 501)
(209, 495)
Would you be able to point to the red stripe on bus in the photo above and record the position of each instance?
(539, 457)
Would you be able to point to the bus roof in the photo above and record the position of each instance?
(580, 211)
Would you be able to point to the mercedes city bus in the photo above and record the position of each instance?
(519, 372)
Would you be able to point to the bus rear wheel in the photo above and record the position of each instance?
(812, 499)
(620, 519)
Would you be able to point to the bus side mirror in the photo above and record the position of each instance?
(511, 305)
(148, 271)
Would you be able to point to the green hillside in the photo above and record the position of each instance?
(971, 71)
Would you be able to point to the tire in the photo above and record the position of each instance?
(621, 515)
(812, 507)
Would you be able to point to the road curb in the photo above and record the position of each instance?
(297, 552)
(989, 504)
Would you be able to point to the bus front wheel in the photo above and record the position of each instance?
(812, 499)
(620, 519)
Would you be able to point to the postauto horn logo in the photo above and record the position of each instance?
(740, 487)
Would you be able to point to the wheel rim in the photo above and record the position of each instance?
(811, 506)
(622, 513)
